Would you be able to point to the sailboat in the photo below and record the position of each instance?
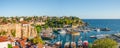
(80, 42)
(85, 42)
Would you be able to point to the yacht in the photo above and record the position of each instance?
(73, 44)
(67, 45)
(85, 44)
(62, 32)
(100, 36)
(93, 36)
(58, 43)
(80, 43)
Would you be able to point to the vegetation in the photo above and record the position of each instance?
(59, 22)
(37, 40)
(9, 46)
(3, 33)
(50, 21)
(13, 33)
(90, 45)
(38, 28)
(105, 43)
(0, 33)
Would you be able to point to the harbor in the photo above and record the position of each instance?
(78, 36)
(59, 24)
(71, 39)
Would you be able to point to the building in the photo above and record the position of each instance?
(21, 28)
(4, 44)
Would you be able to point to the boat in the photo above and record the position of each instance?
(98, 30)
(47, 42)
(58, 43)
(105, 29)
(73, 44)
(101, 29)
(75, 33)
(93, 36)
(85, 44)
(62, 32)
(67, 45)
(80, 42)
(100, 36)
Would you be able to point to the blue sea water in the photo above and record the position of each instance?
(113, 24)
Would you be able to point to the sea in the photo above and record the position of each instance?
(113, 24)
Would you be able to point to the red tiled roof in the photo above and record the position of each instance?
(3, 38)
(15, 46)
(11, 40)
(24, 22)
(40, 45)
(22, 42)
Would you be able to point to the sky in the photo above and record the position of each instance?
(85, 9)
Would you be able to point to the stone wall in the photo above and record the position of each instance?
(19, 28)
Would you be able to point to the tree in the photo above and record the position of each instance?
(4, 21)
(45, 26)
(38, 28)
(104, 43)
(13, 33)
(56, 22)
(4, 32)
(90, 45)
(9, 46)
(0, 33)
(37, 40)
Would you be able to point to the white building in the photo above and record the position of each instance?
(4, 44)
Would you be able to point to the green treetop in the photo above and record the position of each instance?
(104, 43)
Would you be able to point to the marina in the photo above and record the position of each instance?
(59, 24)
(80, 37)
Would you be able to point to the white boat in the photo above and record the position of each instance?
(105, 29)
(100, 36)
(93, 36)
(59, 43)
(67, 44)
(98, 30)
(85, 43)
(73, 44)
(80, 42)
(62, 32)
